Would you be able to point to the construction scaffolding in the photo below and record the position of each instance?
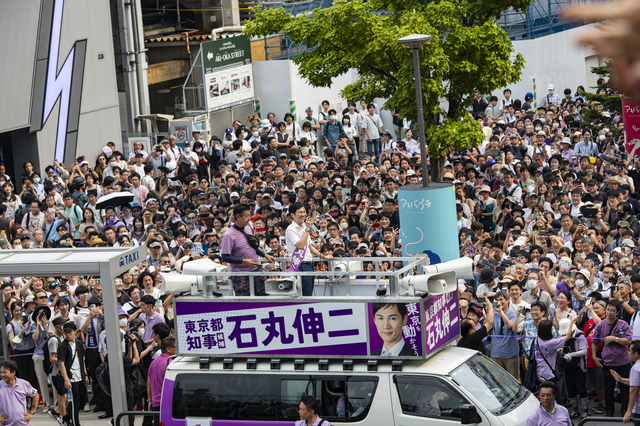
(542, 18)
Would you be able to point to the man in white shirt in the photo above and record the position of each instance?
(189, 155)
(576, 203)
(372, 127)
(506, 101)
(297, 237)
(34, 219)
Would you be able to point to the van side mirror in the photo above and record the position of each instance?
(469, 415)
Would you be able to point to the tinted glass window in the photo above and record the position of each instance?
(225, 396)
(271, 397)
(428, 397)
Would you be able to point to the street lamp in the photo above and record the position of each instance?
(415, 41)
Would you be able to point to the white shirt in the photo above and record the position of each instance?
(294, 233)
(76, 374)
(395, 350)
(372, 123)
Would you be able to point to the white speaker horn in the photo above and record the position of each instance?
(350, 266)
(284, 286)
(177, 283)
(431, 284)
(463, 268)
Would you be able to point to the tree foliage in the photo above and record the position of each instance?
(468, 51)
(611, 102)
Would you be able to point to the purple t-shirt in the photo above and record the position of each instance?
(154, 319)
(540, 417)
(613, 354)
(236, 244)
(548, 348)
(157, 371)
(13, 401)
(634, 380)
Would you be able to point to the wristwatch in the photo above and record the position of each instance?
(617, 338)
(32, 412)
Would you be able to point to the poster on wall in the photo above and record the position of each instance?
(631, 119)
(228, 72)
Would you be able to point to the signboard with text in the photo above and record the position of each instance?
(631, 119)
(228, 72)
(384, 328)
(441, 321)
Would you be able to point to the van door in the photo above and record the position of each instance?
(421, 400)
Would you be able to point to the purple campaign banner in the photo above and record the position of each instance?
(441, 321)
(411, 332)
(276, 328)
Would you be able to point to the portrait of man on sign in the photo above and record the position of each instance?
(389, 319)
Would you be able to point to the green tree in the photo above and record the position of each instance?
(468, 51)
(611, 103)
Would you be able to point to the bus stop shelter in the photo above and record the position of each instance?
(106, 263)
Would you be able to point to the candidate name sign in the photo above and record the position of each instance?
(210, 328)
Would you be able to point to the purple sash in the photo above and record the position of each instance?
(296, 258)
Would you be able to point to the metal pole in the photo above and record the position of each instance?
(5, 335)
(423, 145)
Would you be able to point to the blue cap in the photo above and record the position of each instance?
(491, 161)
(386, 132)
(228, 130)
(529, 95)
(134, 205)
(78, 181)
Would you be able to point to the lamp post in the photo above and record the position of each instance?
(415, 41)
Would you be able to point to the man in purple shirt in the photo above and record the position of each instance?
(149, 316)
(549, 413)
(13, 397)
(157, 371)
(615, 336)
(633, 409)
(307, 411)
(237, 251)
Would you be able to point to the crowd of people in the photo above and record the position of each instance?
(546, 209)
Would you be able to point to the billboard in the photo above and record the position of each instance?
(228, 72)
(384, 328)
(631, 119)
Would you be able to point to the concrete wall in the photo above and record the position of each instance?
(99, 114)
(556, 59)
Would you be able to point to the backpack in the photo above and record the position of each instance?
(19, 214)
(570, 347)
(46, 363)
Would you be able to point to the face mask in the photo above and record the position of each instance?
(122, 322)
(36, 180)
(255, 134)
(344, 225)
(553, 151)
(550, 92)
(580, 283)
(538, 129)
(334, 214)
(531, 284)
(333, 117)
(140, 332)
(606, 130)
(112, 164)
(602, 137)
(187, 150)
(373, 218)
(379, 253)
(198, 151)
(556, 125)
(261, 243)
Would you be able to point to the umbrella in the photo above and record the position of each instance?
(115, 199)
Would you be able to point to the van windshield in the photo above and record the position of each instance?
(488, 383)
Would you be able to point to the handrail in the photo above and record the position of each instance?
(135, 413)
(601, 419)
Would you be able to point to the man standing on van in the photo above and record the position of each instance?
(389, 319)
(307, 410)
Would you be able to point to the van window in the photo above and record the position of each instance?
(271, 397)
(340, 399)
(428, 397)
(225, 396)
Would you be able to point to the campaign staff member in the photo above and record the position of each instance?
(307, 411)
(301, 251)
(389, 319)
(240, 249)
(13, 397)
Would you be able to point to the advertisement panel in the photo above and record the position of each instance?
(228, 72)
(379, 329)
(631, 119)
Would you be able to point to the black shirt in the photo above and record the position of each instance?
(474, 341)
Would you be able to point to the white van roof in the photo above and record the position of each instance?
(440, 363)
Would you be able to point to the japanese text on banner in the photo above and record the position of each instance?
(271, 329)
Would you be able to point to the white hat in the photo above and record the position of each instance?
(586, 274)
(564, 326)
(234, 194)
(266, 123)
(551, 87)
